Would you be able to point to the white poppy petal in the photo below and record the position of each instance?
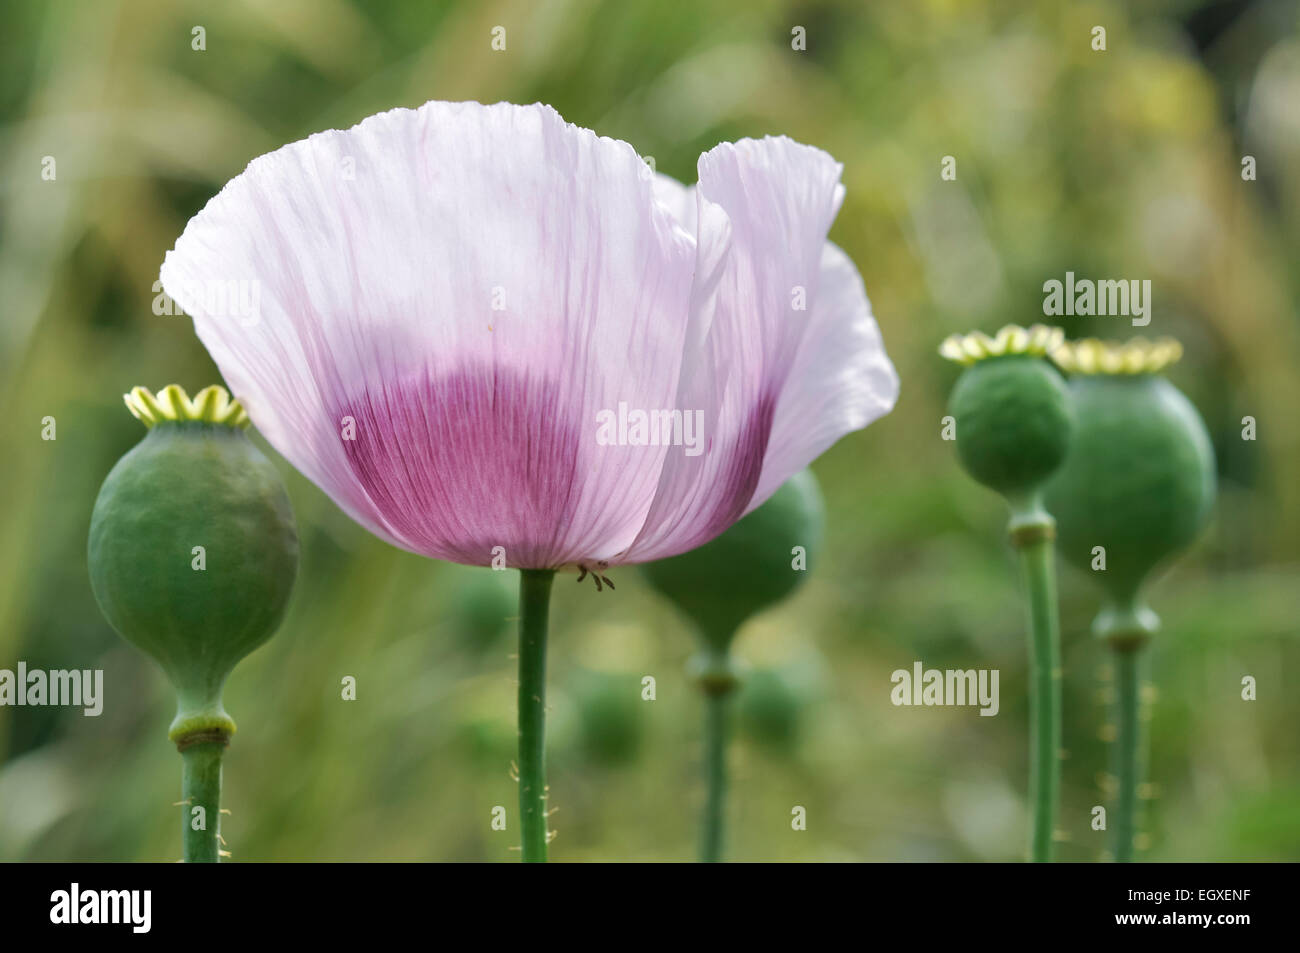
(470, 285)
(763, 211)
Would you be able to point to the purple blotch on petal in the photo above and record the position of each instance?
(461, 463)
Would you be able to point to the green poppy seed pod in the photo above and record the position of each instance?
(1011, 409)
(757, 562)
(1139, 480)
(193, 549)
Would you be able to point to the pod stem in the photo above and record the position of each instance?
(1126, 752)
(713, 821)
(534, 609)
(713, 669)
(201, 798)
(1032, 533)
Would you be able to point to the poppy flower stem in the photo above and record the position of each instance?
(1032, 532)
(534, 609)
(201, 788)
(1127, 750)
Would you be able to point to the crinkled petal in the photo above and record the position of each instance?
(841, 379)
(763, 209)
(443, 301)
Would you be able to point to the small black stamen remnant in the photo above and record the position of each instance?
(598, 578)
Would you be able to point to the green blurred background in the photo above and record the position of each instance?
(1123, 163)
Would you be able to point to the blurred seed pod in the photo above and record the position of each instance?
(770, 710)
(483, 605)
(612, 726)
(1139, 480)
(757, 562)
(775, 702)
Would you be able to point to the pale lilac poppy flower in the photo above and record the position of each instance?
(431, 314)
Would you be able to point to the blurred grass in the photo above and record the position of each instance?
(1117, 164)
